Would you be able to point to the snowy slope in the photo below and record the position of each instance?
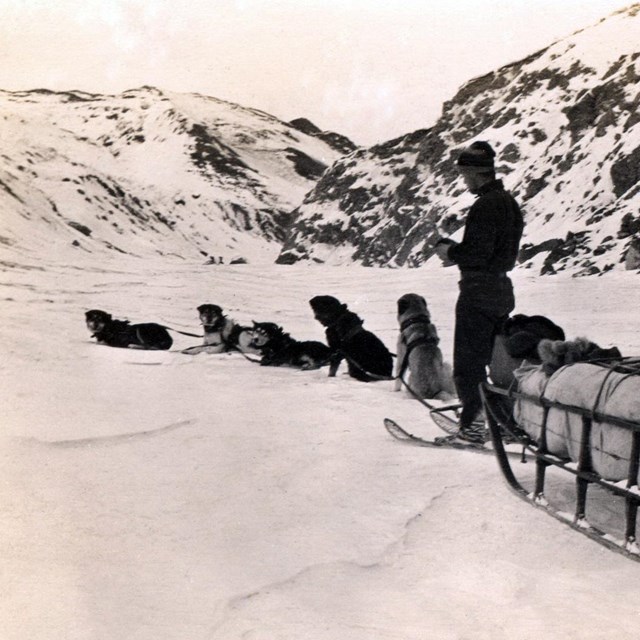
(159, 496)
(149, 172)
(565, 124)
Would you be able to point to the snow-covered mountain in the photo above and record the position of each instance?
(152, 172)
(566, 125)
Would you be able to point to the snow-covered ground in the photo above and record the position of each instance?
(160, 496)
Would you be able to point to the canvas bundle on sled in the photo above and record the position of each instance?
(603, 391)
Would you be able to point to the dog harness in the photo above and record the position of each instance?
(426, 338)
(230, 340)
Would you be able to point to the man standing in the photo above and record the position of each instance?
(488, 250)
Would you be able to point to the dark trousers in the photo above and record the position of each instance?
(484, 303)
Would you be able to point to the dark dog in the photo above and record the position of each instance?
(418, 352)
(280, 349)
(119, 333)
(221, 334)
(518, 341)
(367, 357)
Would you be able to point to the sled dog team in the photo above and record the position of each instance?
(367, 358)
(419, 362)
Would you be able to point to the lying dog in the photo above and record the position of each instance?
(278, 348)
(221, 334)
(418, 352)
(367, 357)
(119, 333)
(517, 341)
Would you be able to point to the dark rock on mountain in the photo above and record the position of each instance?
(566, 126)
(336, 141)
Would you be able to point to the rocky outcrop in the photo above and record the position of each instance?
(565, 123)
(336, 141)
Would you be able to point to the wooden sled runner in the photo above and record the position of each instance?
(595, 439)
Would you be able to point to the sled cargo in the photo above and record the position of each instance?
(584, 420)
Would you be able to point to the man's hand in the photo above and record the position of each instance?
(442, 250)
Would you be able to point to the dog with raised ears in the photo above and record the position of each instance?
(368, 359)
(420, 364)
(221, 334)
(278, 348)
(121, 333)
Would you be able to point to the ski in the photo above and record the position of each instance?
(448, 423)
(447, 418)
(399, 433)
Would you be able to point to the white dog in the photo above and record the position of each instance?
(419, 360)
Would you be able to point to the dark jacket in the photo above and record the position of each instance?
(492, 233)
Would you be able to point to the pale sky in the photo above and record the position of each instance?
(370, 69)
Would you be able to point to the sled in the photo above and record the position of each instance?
(586, 459)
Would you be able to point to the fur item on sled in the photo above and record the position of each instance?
(517, 341)
(524, 333)
(555, 354)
